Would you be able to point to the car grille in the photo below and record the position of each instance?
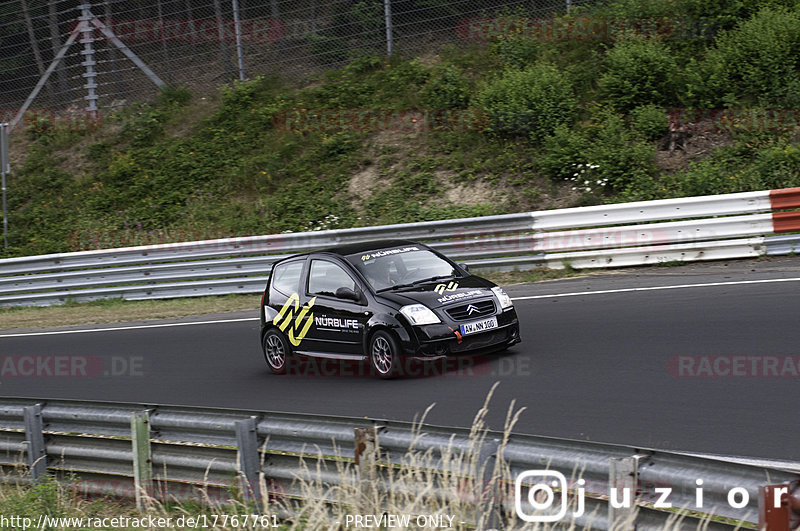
(473, 310)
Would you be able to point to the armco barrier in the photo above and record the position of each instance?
(646, 232)
(217, 451)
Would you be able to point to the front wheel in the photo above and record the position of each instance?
(384, 354)
(276, 351)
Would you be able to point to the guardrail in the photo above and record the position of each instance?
(170, 452)
(647, 232)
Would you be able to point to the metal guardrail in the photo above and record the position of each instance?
(646, 232)
(219, 450)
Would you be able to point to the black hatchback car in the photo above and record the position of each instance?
(389, 302)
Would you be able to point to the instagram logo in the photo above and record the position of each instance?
(542, 486)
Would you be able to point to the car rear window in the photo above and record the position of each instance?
(286, 277)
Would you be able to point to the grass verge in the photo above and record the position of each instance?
(117, 310)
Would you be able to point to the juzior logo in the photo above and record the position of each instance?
(441, 288)
(294, 316)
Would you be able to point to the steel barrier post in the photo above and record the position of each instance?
(779, 507)
(5, 168)
(489, 496)
(623, 477)
(142, 459)
(366, 452)
(247, 445)
(34, 438)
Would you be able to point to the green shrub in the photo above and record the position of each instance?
(650, 121)
(638, 72)
(741, 167)
(564, 151)
(370, 82)
(599, 156)
(446, 89)
(533, 101)
(517, 51)
(752, 64)
(240, 95)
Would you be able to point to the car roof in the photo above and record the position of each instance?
(362, 247)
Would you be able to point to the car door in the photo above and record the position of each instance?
(288, 306)
(338, 323)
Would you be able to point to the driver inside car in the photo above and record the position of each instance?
(379, 274)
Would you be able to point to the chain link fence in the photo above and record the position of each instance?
(202, 44)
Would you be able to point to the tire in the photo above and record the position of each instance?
(276, 351)
(384, 355)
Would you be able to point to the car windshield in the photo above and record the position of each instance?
(401, 267)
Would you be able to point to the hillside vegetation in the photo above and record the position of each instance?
(505, 123)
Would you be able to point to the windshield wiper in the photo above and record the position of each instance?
(396, 286)
(432, 279)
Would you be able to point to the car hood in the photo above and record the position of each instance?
(442, 292)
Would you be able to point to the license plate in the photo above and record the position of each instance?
(478, 326)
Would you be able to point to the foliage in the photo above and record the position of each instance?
(575, 112)
(649, 121)
(754, 63)
(598, 156)
(369, 82)
(639, 72)
(533, 101)
(742, 167)
(446, 89)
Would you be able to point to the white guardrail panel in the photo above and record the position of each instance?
(643, 211)
(288, 243)
(659, 254)
(599, 236)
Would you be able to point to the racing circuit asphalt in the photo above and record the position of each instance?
(592, 366)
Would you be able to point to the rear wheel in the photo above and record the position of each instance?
(276, 351)
(384, 354)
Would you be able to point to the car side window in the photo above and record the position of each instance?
(286, 277)
(326, 277)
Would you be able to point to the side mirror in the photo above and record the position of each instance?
(348, 294)
(464, 266)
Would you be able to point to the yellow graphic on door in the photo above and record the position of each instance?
(294, 316)
(441, 288)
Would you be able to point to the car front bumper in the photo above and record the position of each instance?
(431, 342)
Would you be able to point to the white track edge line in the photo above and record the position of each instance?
(137, 327)
(657, 288)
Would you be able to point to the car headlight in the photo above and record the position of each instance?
(502, 297)
(419, 314)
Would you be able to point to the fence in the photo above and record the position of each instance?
(648, 232)
(202, 44)
(167, 452)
